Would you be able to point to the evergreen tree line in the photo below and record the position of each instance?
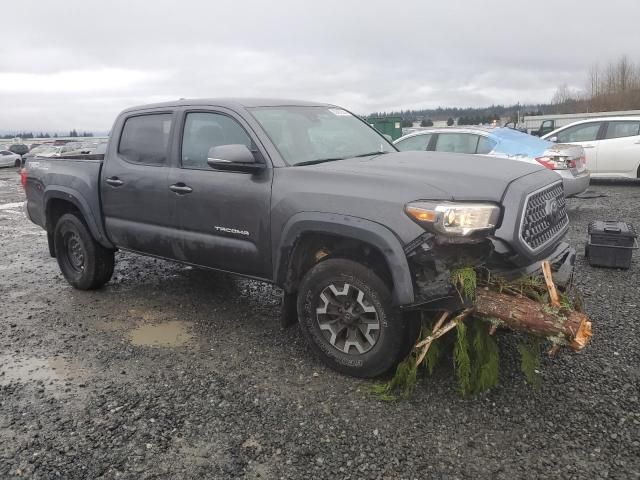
(24, 135)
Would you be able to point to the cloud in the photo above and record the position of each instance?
(102, 81)
(76, 63)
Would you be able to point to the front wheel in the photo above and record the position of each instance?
(85, 263)
(346, 314)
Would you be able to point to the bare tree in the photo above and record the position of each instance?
(616, 86)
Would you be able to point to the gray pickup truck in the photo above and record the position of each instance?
(309, 197)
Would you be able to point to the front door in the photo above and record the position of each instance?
(134, 187)
(585, 135)
(224, 215)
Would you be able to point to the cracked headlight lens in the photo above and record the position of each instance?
(456, 219)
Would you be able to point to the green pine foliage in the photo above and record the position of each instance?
(530, 361)
(433, 355)
(462, 360)
(465, 281)
(487, 359)
(476, 354)
(402, 384)
(476, 359)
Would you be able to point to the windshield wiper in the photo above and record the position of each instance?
(333, 159)
(369, 154)
(318, 160)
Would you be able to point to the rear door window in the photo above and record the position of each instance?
(457, 142)
(619, 129)
(145, 139)
(417, 142)
(203, 131)
(586, 132)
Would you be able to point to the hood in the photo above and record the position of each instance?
(434, 175)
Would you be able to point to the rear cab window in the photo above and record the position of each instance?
(145, 139)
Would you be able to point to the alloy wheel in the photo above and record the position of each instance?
(347, 319)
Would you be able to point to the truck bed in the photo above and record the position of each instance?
(75, 178)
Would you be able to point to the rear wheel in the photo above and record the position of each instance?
(345, 312)
(85, 263)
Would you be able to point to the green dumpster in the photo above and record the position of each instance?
(391, 126)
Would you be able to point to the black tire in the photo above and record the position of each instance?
(85, 263)
(365, 360)
(18, 163)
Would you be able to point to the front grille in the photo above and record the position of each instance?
(544, 217)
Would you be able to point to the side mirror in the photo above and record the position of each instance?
(235, 157)
(553, 139)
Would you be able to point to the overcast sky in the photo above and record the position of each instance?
(76, 63)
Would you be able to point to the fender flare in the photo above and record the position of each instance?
(357, 228)
(73, 196)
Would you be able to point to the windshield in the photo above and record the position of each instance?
(306, 135)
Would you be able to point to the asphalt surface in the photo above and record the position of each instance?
(172, 372)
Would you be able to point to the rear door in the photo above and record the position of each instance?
(224, 215)
(619, 149)
(135, 187)
(586, 135)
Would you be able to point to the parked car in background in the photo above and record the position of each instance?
(19, 148)
(611, 145)
(10, 159)
(88, 148)
(568, 161)
(52, 150)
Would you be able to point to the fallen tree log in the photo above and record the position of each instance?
(518, 312)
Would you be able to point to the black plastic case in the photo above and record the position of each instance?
(611, 244)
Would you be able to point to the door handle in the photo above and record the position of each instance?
(588, 146)
(114, 181)
(180, 188)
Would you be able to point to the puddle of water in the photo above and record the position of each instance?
(168, 334)
(16, 368)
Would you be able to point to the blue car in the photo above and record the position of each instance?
(568, 161)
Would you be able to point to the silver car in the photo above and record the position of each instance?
(568, 161)
(10, 159)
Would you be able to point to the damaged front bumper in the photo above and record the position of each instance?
(431, 270)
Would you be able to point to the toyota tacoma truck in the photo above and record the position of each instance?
(306, 196)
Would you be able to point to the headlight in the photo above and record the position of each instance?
(460, 219)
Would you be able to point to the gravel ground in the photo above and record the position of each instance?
(171, 372)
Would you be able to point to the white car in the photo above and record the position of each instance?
(611, 144)
(10, 159)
